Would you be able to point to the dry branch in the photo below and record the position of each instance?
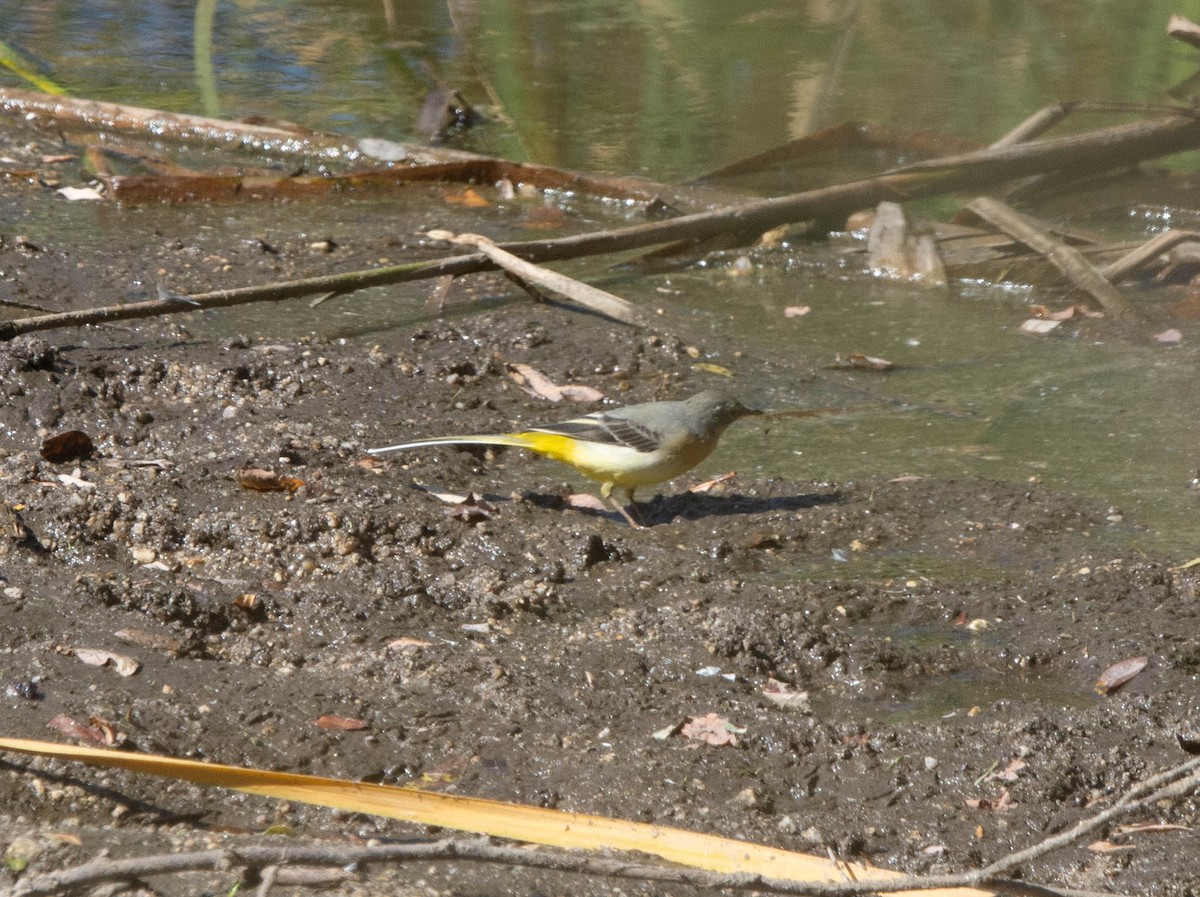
(1113, 147)
(588, 296)
(1146, 253)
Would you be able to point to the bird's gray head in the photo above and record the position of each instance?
(717, 409)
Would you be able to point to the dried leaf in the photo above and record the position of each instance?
(98, 657)
(1119, 673)
(796, 311)
(258, 480)
(1008, 774)
(1169, 336)
(112, 737)
(538, 384)
(97, 731)
(404, 643)
(783, 695)
(340, 723)
(77, 730)
(711, 729)
(73, 445)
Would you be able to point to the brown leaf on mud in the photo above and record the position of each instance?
(97, 730)
(1119, 673)
(73, 445)
(98, 657)
(783, 695)
(994, 804)
(405, 643)
(1008, 774)
(258, 480)
(538, 384)
(711, 729)
(340, 723)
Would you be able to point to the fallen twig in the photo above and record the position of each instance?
(1146, 253)
(588, 296)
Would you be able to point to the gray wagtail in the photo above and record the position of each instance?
(628, 447)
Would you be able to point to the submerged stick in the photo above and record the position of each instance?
(1068, 260)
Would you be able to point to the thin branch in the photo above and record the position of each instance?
(1146, 253)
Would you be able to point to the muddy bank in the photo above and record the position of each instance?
(529, 650)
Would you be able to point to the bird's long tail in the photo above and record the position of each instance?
(513, 439)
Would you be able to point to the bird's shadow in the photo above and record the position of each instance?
(664, 509)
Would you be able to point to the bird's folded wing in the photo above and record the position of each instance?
(606, 429)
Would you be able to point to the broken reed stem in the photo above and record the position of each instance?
(1174, 782)
(1066, 259)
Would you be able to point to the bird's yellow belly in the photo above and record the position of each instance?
(619, 464)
